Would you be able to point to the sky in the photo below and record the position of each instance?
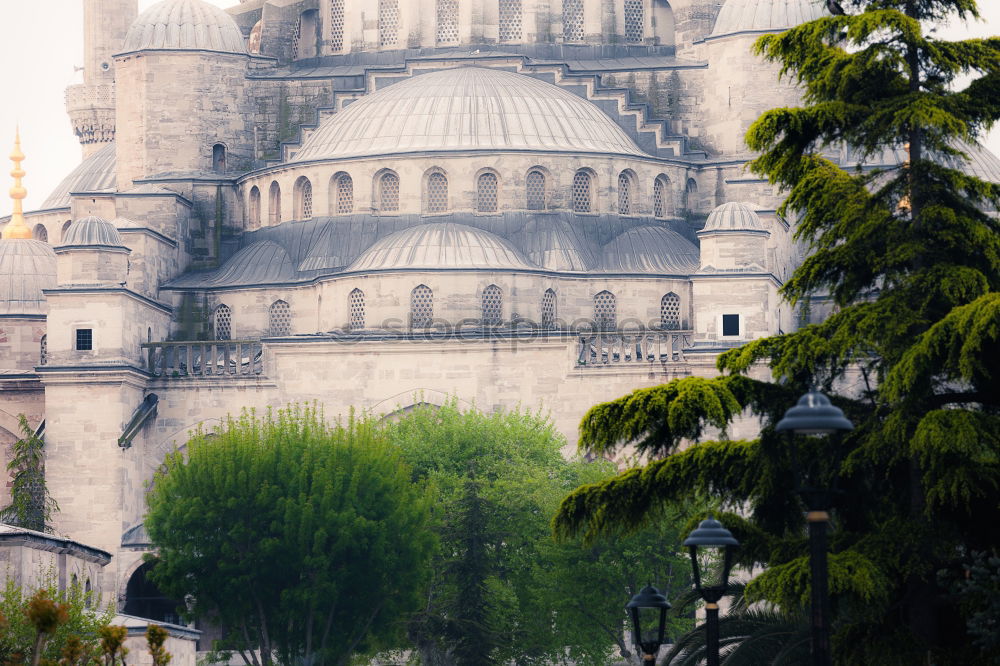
(41, 41)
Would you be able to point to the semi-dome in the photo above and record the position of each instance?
(184, 25)
(92, 231)
(263, 262)
(650, 249)
(468, 108)
(734, 216)
(555, 244)
(766, 15)
(440, 245)
(95, 174)
(26, 268)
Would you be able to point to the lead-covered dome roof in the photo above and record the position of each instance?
(733, 216)
(650, 249)
(766, 15)
(26, 268)
(441, 245)
(97, 173)
(184, 25)
(92, 231)
(468, 108)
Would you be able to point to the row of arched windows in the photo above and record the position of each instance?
(422, 312)
(436, 199)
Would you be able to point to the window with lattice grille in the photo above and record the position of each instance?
(296, 38)
(548, 309)
(388, 22)
(670, 312)
(274, 203)
(304, 194)
(605, 311)
(582, 195)
(492, 306)
(510, 20)
(660, 195)
(345, 194)
(280, 319)
(447, 21)
(633, 21)
(337, 25)
(356, 305)
(535, 186)
(573, 20)
(486, 193)
(43, 350)
(223, 323)
(625, 193)
(421, 306)
(388, 192)
(437, 193)
(254, 212)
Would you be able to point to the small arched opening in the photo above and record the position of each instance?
(144, 599)
(40, 233)
(663, 23)
(308, 33)
(274, 204)
(219, 158)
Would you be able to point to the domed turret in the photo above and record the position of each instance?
(92, 253)
(90, 231)
(186, 25)
(733, 216)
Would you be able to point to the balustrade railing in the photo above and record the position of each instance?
(209, 358)
(619, 348)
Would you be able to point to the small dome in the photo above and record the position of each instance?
(185, 25)
(766, 15)
(440, 245)
(26, 268)
(734, 216)
(650, 250)
(97, 173)
(263, 262)
(468, 108)
(556, 245)
(92, 231)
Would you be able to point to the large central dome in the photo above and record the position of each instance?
(469, 108)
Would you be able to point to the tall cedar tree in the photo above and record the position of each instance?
(912, 263)
(31, 506)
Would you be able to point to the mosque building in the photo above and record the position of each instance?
(380, 203)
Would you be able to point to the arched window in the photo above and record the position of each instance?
(144, 599)
(548, 309)
(388, 192)
(421, 306)
(626, 193)
(43, 350)
(341, 194)
(534, 185)
(690, 193)
(305, 45)
(253, 208)
(219, 158)
(356, 304)
(605, 311)
(274, 204)
(303, 199)
(65, 228)
(253, 41)
(573, 20)
(447, 21)
(40, 233)
(663, 22)
(492, 306)
(634, 27)
(670, 312)
(486, 193)
(436, 200)
(388, 22)
(279, 317)
(222, 322)
(582, 192)
(661, 197)
(509, 12)
(336, 25)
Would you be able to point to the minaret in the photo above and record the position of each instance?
(17, 228)
(91, 104)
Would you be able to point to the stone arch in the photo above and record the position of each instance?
(385, 191)
(219, 158)
(628, 193)
(537, 188)
(40, 233)
(144, 599)
(253, 41)
(341, 194)
(662, 23)
(253, 208)
(302, 199)
(274, 203)
(436, 199)
(487, 191)
(308, 34)
(65, 228)
(405, 401)
(663, 198)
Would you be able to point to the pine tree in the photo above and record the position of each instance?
(911, 258)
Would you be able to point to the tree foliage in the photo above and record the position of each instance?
(911, 259)
(306, 540)
(31, 506)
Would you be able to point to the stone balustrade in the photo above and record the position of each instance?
(209, 358)
(622, 347)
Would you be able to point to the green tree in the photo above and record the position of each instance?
(912, 261)
(31, 506)
(306, 540)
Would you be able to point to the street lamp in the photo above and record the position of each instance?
(648, 610)
(814, 415)
(716, 545)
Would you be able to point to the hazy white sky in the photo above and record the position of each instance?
(42, 40)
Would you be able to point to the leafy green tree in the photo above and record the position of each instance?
(31, 506)
(306, 540)
(911, 259)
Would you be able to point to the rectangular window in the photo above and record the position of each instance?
(730, 324)
(84, 339)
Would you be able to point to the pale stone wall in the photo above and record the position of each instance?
(754, 297)
(35, 560)
(20, 342)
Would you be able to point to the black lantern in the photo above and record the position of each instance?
(814, 415)
(714, 545)
(648, 610)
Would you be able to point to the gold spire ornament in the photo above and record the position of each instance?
(16, 228)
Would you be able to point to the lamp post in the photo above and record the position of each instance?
(814, 415)
(716, 544)
(648, 610)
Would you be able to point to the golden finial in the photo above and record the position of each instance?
(16, 228)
